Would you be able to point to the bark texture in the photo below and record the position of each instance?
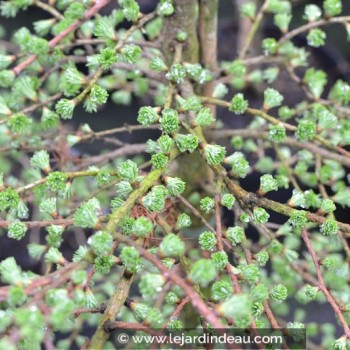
(184, 18)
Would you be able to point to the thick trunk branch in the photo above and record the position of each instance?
(207, 28)
(184, 18)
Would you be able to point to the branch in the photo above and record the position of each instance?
(143, 20)
(196, 213)
(60, 277)
(69, 175)
(117, 300)
(96, 310)
(122, 151)
(322, 285)
(218, 230)
(48, 8)
(114, 305)
(32, 224)
(208, 23)
(248, 198)
(275, 121)
(219, 237)
(311, 25)
(253, 29)
(196, 300)
(290, 141)
(184, 19)
(99, 4)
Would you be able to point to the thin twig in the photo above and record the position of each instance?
(322, 22)
(290, 141)
(49, 9)
(196, 213)
(256, 23)
(196, 300)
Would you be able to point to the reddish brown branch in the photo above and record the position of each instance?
(96, 310)
(32, 224)
(196, 300)
(177, 310)
(59, 277)
(218, 223)
(174, 315)
(99, 4)
(322, 286)
(270, 316)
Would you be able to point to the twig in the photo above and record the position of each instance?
(119, 152)
(275, 121)
(95, 310)
(58, 277)
(196, 213)
(289, 170)
(253, 29)
(196, 300)
(32, 224)
(248, 199)
(69, 175)
(218, 223)
(49, 9)
(207, 30)
(290, 141)
(117, 300)
(99, 4)
(119, 45)
(311, 25)
(219, 237)
(322, 285)
(126, 128)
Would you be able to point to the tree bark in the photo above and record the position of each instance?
(207, 28)
(184, 18)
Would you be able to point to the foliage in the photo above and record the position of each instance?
(136, 231)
